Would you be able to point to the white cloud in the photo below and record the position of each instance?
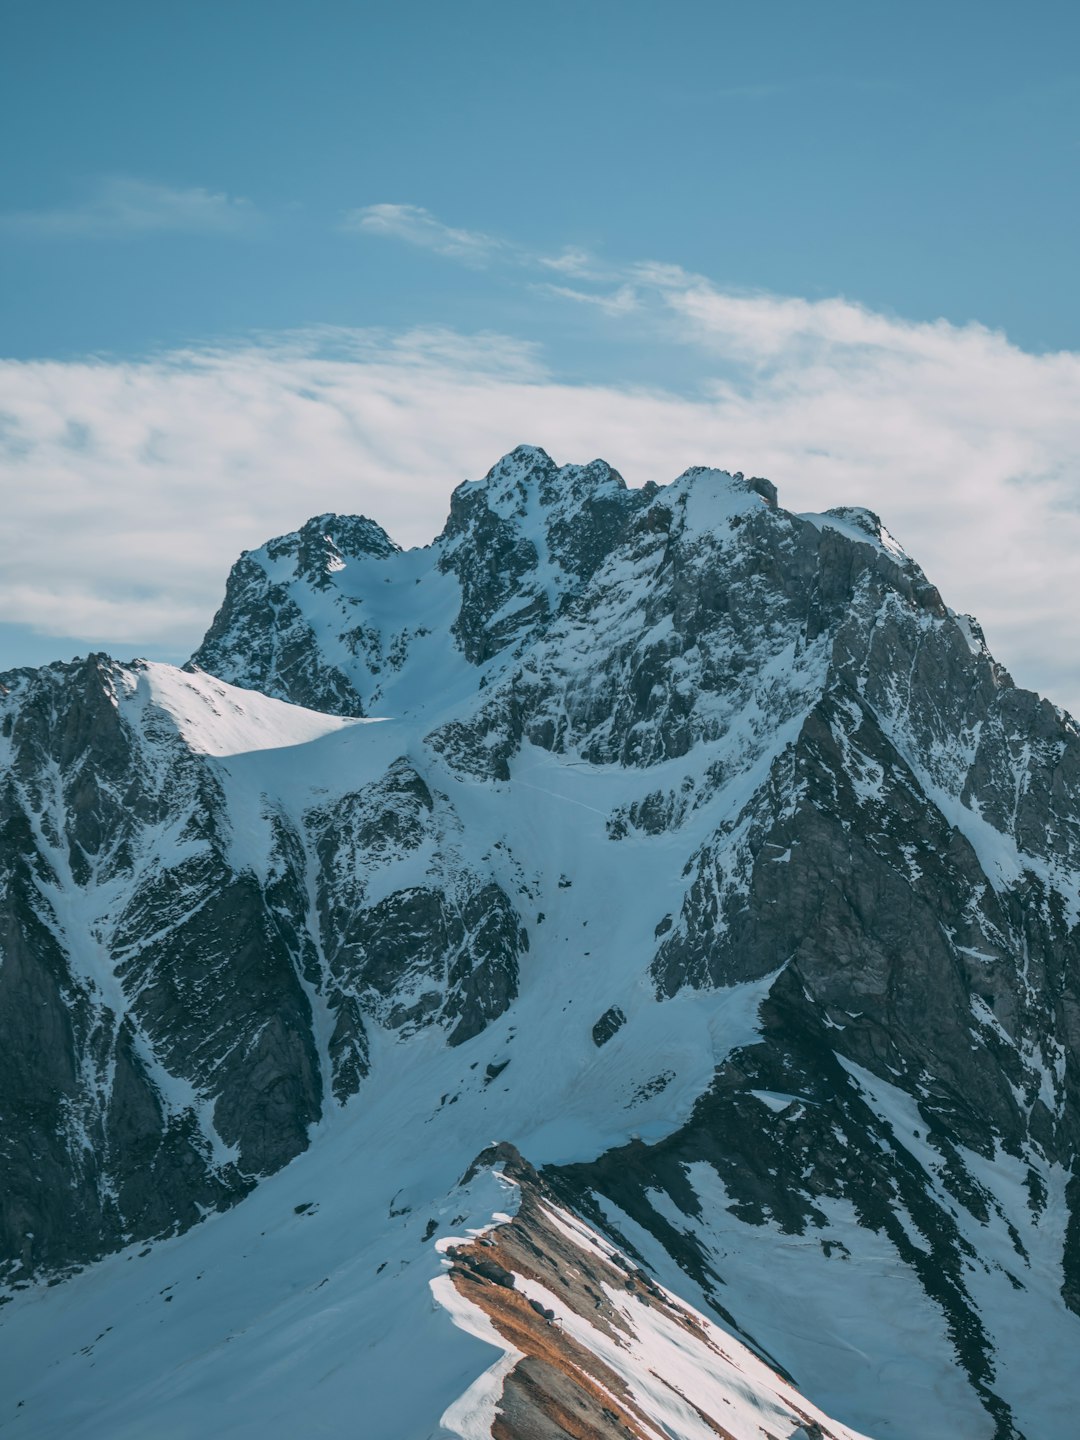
(120, 205)
(417, 226)
(574, 262)
(621, 301)
(130, 488)
(413, 225)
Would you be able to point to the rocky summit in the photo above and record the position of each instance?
(692, 853)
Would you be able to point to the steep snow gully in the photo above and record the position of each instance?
(614, 971)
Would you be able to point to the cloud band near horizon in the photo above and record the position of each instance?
(130, 487)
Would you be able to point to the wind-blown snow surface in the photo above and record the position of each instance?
(717, 817)
(219, 719)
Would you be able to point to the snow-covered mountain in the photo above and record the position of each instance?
(693, 847)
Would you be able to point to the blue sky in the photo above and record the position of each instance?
(836, 241)
(921, 158)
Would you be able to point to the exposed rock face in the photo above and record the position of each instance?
(261, 634)
(608, 1026)
(523, 541)
(679, 738)
(602, 1350)
(445, 949)
(136, 965)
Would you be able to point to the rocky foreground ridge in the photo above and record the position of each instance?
(694, 846)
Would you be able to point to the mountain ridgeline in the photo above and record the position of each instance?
(704, 822)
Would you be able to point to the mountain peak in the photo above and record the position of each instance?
(734, 481)
(527, 481)
(326, 543)
(527, 537)
(710, 500)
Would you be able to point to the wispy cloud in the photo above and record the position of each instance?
(119, 205)
(574, 262)
(130, 488)
(416, 226)
(621, 301)
(413, 225)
